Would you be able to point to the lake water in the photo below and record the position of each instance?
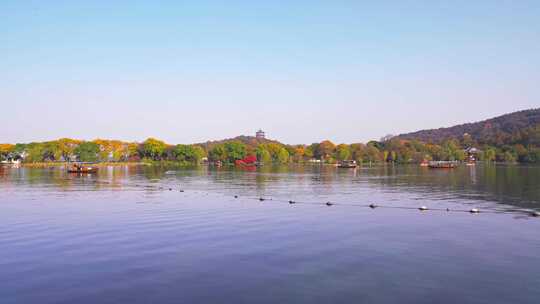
(122, 236)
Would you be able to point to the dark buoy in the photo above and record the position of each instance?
(423, 208)
(372, 206)
(474, 210)
(261, 199)
(292, 202)
(181, 190)
(236, 196)
(328, 204)
(170, 189)
(447, 209)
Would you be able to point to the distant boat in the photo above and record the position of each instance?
(443, 164)
(424, 164)
(347, 164)
(77, 168)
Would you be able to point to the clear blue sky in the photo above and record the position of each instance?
(303, 71)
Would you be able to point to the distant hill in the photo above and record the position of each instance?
(505, 129)
(250, 141)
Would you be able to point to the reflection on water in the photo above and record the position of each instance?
(121, 236)
(507, 185)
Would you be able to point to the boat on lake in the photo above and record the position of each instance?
(79, 168)
(443, 164)
(347, 164)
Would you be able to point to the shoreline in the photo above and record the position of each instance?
(180, 164)
(63, 164)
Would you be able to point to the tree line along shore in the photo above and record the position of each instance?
(395, 150)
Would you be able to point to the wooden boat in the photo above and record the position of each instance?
(442, 164)
(82, 169)
(347, 164)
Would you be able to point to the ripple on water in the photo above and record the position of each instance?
(119, 238)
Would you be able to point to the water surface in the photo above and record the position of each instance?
(122, 236)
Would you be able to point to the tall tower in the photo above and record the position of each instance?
(260, 134)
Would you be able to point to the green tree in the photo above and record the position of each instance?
(263, 155)
(451, 150)
(235, 150)
(282, 156)
(51, 151)
(372, 154)
(312, 151)
(188, 153)
(87, 152)
(198, 154)
(153, 148)
(460, 155)
(376, 144)
(34, 152)
(218, 153)
(343, 152)
(489, 154)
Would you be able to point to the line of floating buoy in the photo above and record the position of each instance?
(371, 205)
